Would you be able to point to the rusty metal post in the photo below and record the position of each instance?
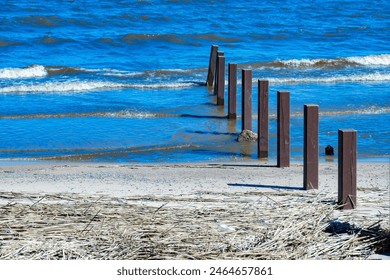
(232, 91)
(246, 99)
(262, 149)
(283, 129)
(212, 66)
(347, 168)
(221, 81)
(310, 147)
(217, 73)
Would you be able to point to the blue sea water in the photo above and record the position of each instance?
(123, 81)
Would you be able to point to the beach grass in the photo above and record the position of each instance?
(252, 225)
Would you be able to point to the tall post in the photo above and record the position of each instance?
(212, 66)
(262, 143)
(347, 168)
(221, 81)
(283, 129)
(217, 73)
(232, 91)
(246, 99)
(310, 147)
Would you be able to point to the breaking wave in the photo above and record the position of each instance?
(370, 77)
(85, 86)
(38, 71)
(120, 114)
(368, 61)
(34, 71)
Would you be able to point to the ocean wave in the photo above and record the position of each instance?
(34, 71)
(214, 38)
(172, 85)
(138, 114)
(371, 110)
(131, 114)
(6, 43)
(170, 38)
(85, 86)
(370, 77)
(147, 73)
(38, 71)
(67, 70)
(370, 60)
(72, 86)
(40, 20)
(121, 73)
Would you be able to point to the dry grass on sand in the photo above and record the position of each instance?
(248, 225)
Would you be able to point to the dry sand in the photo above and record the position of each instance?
(233, 210)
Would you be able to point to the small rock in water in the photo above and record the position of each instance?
(329, 151)
(247, 136)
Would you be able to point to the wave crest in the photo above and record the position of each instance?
(34, 71)
(371, 77)
(85, 86)
(370, 60)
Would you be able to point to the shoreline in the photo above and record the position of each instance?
(248, 159)
(24, 174)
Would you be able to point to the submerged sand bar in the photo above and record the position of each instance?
(211, 210)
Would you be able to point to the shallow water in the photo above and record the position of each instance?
(124, 81)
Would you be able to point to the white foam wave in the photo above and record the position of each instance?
(370, 60)
(83, 86)
(131, 114)
(371, 77)
(298, 62)
(374, 60)
(372, 110)
(172, 85)
(120, 73)
(147, 73)
(73, 86)
(34, 71)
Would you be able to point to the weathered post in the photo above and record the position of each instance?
(283, 129)
(347, 168)
(217, 73)
(310, 147)
(221, 81)
(246, 99)
(232, 91)
(262, 143)
(212, 66)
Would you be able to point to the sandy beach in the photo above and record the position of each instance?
(210, 210)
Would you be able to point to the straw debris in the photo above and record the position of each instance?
(250, 225)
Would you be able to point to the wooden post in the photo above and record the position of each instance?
(221, 81)
(347, 168)
(212, 66)
(246, 99)
(262, 149)
(310, 147)
(217, 73)
(283, 129)
(232, 91)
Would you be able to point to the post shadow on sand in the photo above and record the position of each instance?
(243, 165)
(266, 186)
